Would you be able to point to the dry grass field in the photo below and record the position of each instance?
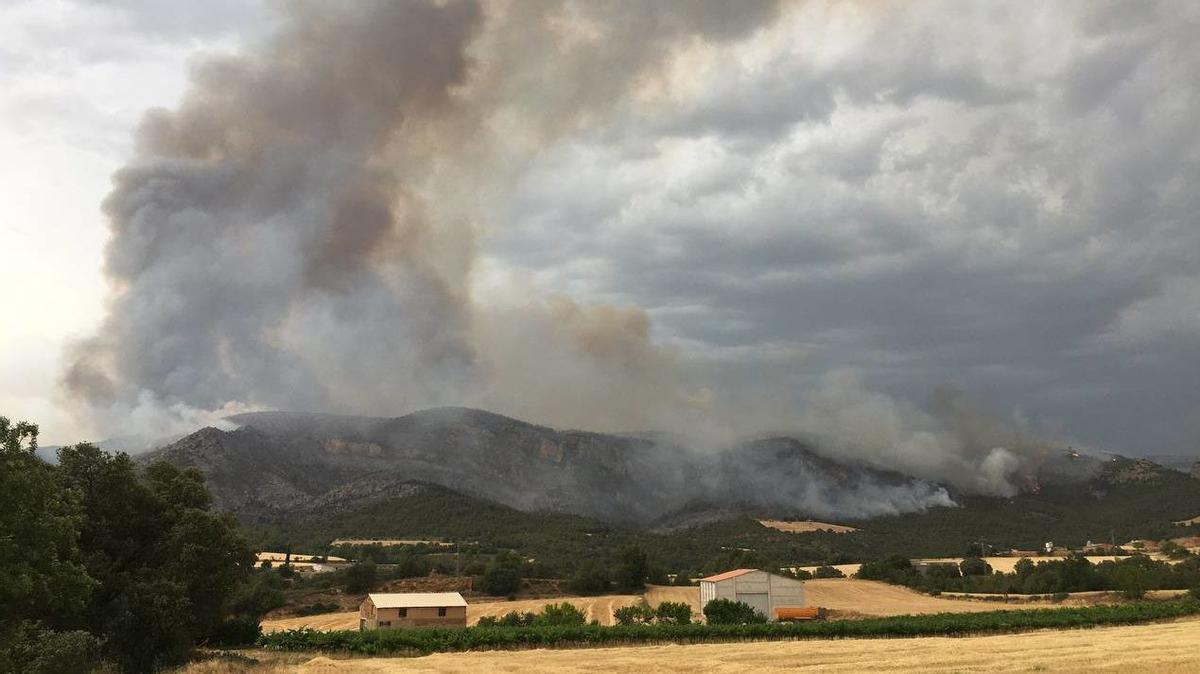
(385, 542)
(1165, 648)
(805, 526)
(594, 608)
(850, 597)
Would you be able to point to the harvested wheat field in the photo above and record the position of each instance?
(1004, 564)
(1166, 648)
(594, 608)
(806, 526)
(850, 597)
(1008, 564)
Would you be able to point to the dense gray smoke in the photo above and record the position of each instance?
(302, 231)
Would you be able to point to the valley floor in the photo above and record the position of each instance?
(594, 608)
(1165, 648)
(845, 597)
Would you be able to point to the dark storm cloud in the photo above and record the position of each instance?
(999, 196)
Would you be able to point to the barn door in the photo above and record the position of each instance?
(759, 601)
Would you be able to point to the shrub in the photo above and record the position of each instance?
(40, 651)
(317, 608)
(894, 569)
(410, 566)
(240, 631)
(360, 578)
(828, 572)
(636, 614)
(974, 566)
(1060, 596)
(590, 578)
(500, 580)
(727, 612)
(1194, 593)
(510, 619)
(631, 572)
(560, 614)
(673, 613)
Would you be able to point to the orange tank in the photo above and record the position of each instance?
(799, 613)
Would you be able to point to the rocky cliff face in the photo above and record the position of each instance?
(285, 463)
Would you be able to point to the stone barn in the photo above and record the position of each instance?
(413, 609)
(765, 592)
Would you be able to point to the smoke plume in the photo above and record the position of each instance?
(302, 232)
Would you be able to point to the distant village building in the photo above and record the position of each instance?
(765, 592)
(414, 609)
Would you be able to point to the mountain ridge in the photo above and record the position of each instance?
(284, 462)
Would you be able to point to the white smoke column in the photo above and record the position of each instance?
(957, 444)
(299, 232)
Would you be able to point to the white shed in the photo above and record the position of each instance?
(761, 590)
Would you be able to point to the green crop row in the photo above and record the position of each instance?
(432, 640)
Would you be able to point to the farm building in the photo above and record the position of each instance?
(414, 609)
(766, 592)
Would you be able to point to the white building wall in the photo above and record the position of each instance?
(779, 590)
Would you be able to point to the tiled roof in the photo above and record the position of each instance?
(417, 599)
(728, 574)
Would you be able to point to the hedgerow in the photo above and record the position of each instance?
(432, 640)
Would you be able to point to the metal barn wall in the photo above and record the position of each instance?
(751, 587)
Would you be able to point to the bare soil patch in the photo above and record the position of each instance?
(803, 527)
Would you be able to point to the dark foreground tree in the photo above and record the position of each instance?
(166, 566)
(101, 558)
(43, 584)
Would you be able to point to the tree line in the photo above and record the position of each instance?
(1133, 576)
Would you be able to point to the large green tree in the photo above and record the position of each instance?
(41, 576)
(167, 567)
(43, 583)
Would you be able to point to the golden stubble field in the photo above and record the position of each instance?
(849, 597)
(1164, 648)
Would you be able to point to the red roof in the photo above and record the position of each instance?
(728, 574)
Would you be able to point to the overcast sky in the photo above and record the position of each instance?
(1001, 197)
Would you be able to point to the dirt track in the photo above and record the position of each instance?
(1168, 648)
(594, 608)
